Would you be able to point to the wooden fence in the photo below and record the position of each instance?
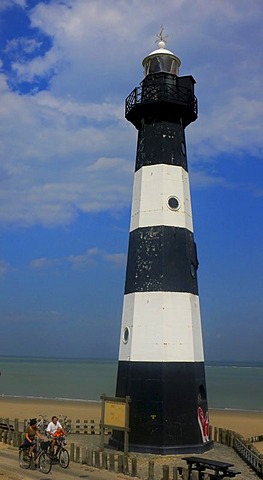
(11, 433)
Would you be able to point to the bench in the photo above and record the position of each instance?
(5, 426)
(221, 469)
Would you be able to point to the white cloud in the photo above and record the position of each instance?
(227, 127)
(79, 262)
(52, 168)
(5, 4)
(28, 45)
(92, 255)
(43, 263)
(117, 259)
(29, 71)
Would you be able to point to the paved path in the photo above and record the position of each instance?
(10, 470)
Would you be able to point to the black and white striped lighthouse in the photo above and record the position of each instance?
(161, 360)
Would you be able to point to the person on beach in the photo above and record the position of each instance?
(30, 436)
(54, 430)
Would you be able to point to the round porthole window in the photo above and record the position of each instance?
(173, 203)
(192, 270)
(125, 335)
(183, 149)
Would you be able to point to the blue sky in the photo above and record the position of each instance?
(67, 159)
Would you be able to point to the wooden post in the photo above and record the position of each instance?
(165, 472)
(151, 470)
(223, 436)
(185, 475)
(15, 439)
(90, 458)
(102, 428)
(20, 438)
(104, 460)
(120, 463)
(16, 425)
(9, 437)
(102, 432)
(134, 467)
(77, 454)
(125, 465)
(83, 455)
(111, 462)
(231, 439)
(72, 452)
(195, 475)
(97, 458)
(175, 473)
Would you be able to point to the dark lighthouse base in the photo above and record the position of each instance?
(167, 416)
(117, 442)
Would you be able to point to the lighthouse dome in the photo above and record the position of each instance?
(161, 60)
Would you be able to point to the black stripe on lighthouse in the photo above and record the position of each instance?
(161, 142)
(161, 258)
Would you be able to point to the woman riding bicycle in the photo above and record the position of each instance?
(30, 437)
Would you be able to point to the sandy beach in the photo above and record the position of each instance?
(246, 423)
(24, 408)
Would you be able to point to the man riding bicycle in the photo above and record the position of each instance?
(54, 430)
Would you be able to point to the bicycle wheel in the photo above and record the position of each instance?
(25, 460)
(45, 463)
(63, 458)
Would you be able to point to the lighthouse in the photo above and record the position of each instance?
(161, 359)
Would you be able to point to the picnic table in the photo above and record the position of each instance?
(220, 470)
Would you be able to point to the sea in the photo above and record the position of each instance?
(230, 385)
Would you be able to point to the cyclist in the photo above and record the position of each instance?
(54, 430)
(30, 437)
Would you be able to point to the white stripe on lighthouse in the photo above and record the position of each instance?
(162, 327)
(153, 186)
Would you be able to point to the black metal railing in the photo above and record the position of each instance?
(248, 456)
(161, 92)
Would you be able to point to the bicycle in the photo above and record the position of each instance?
(66, 423)
(42, 460)
(42, 424)
(61, 456)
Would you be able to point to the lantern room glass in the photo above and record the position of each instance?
(161, 63)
